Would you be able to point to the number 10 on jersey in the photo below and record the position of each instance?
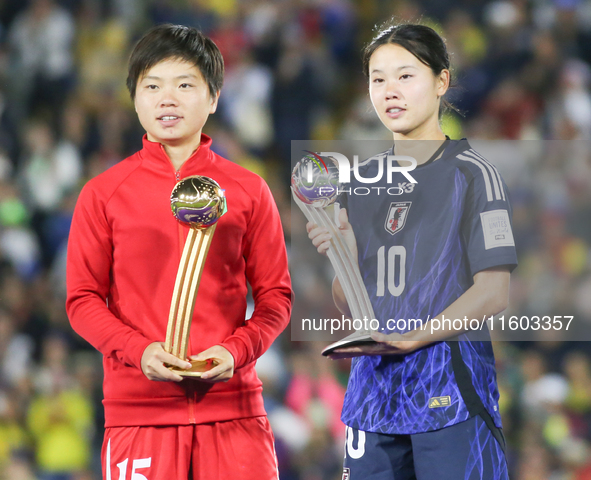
(391, 269)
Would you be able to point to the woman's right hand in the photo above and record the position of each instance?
(153, 363)
(321, 237)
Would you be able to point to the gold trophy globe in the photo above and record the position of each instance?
(199, 202)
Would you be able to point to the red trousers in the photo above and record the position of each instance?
(238, 450)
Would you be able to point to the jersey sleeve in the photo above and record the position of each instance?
(487, 223)
(90, 257)
(267, 272)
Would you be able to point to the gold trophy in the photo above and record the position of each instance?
(199, 202)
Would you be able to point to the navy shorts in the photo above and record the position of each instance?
(465, 451)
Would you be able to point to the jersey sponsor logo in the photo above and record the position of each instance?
(397, 215)
(437, 402)
(346, 474)
(496, 229)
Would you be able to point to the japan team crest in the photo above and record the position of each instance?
(396, 217)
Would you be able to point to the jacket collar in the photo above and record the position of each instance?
(154, 153)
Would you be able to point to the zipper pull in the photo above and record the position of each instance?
(178, 176)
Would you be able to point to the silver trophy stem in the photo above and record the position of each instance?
(341, 258)
(341, 262)
(351, 269)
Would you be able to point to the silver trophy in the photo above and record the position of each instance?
(314, 186)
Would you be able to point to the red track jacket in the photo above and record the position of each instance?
(123, 255)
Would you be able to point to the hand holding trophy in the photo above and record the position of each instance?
(199, 202)
(314, 185)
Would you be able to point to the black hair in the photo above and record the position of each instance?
(176, 41)
(422, 41)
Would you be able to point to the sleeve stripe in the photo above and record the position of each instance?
(496, 170)
(487, 185)
(495, 180)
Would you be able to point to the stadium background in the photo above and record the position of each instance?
(293, 71)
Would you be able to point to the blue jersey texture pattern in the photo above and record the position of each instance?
(418, 252)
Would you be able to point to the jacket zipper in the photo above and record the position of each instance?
(192, 401)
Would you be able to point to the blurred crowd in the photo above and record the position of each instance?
(522, 86)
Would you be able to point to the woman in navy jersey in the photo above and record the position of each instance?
(421, 405)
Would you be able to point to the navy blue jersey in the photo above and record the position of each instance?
(418, 252)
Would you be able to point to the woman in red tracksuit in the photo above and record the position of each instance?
(123, 255)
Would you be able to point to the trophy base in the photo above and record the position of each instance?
(358, 338)
(198, 368)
